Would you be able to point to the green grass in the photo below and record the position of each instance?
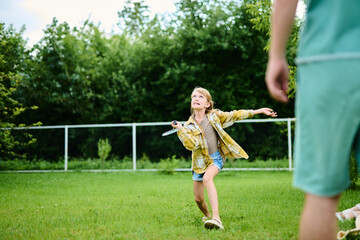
(148, 205)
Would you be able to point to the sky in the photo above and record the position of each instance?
(36, 14)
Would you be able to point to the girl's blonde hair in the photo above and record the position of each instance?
(207, 94)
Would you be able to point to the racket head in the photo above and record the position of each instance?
(170, 132)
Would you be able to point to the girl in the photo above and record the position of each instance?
(203, 134)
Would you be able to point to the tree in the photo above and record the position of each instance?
(147, 72)
(13, 57)
(69, 82)
(133, 19)
(260, 12)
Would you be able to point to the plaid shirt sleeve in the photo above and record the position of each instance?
(228, 118)
(188, 139)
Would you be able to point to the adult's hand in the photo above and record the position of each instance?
(277, 75)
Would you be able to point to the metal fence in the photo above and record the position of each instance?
(134, 125)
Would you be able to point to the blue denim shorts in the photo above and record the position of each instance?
(218, 162)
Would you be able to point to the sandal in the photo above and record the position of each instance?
(204, 219)
(343, 234)
(348, 213)
(213, 223)
(355, 231)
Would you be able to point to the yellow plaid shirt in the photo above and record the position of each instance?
(192, 137)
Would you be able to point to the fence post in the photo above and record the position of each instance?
(134, 145)
(66, 149)
(289, 144)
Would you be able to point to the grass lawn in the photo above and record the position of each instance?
(149, 205)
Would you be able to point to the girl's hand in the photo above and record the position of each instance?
(176, 124)
(266, 111)
(269, 112)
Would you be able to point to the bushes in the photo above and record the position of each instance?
(24, 164)
(104, 149)
(166, 165)
(146, 74)
(354, 171)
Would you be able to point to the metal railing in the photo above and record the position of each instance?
(134, 125)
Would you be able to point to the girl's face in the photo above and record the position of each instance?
(199, 101)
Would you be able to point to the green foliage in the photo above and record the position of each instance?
(13, 58)
(19, 164)
(292, 82)
(134, 18)
(354, 171)
(260, 11)
(104, 149)
(146, 74)
(62, 78)
(168, 165)
(143, 163)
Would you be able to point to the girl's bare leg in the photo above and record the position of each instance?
(208, 181)
(200, 198)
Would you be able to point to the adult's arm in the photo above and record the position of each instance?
(277, 73)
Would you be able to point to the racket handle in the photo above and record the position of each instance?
(174, 122)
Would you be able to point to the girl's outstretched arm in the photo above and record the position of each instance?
(265, 111)
(228, 118)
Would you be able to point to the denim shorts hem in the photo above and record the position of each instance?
(218, 162)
